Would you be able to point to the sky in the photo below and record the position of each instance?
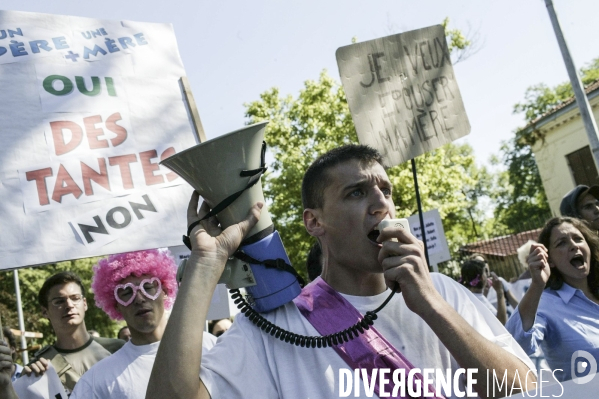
(234, 50)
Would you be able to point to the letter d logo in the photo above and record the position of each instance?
(589, 364)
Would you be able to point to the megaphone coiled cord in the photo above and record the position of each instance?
(307, 341)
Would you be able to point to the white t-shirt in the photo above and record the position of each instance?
(247, 363)
(125, 374)
(481, 297)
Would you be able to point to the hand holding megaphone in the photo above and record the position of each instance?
(209, 242)
(226, 172)
(404, 264)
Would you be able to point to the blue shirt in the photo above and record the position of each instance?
(566, 321)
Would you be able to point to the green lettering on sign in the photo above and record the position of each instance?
(48, 85)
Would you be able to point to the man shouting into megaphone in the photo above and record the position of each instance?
(432, 324)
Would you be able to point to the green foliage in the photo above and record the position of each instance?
(299, 130)
(461, 46)
(456, 40)
(31, 281)
(319, 120)
(540, 98)
(520, 194)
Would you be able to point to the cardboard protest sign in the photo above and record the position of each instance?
(92, 107)
(402, 93)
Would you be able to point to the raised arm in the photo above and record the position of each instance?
(538, 264)
(501, 307)
(177, 367)
(404, 264)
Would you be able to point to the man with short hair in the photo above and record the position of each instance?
(62, 300)
(139, 287)
(432, 323)
(582, 203)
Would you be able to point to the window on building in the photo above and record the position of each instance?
(583, 167)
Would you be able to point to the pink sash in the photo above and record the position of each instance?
(329, 313)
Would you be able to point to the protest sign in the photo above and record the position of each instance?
(92, 106)
(402, 93)
(436, 243)
(46, 386)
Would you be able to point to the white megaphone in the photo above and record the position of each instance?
(226, 172)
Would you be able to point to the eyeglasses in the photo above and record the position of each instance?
(60, 302)
(125, 293)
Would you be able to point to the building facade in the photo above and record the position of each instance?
(562, 150)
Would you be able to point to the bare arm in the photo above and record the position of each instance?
(539, 271)
(501, 308)
(511, 299)
(177, 366)
(404, 264)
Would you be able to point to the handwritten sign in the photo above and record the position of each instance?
(402, 93)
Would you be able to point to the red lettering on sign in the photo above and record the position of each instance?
(93, 132)
(65, 185)
(40, 181)
(121, 132)
(90, 175)
(150, 167)
(123, 161)
(165, 154)
(60, 145)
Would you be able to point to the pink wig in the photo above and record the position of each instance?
(109, 272)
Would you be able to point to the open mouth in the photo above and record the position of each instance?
(577, 261)
(373, 235)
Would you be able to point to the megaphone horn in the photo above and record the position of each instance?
(226, 171)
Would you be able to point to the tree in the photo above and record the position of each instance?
(540, 98)
(319, 120)
(461, 46)
(30, 282)
(520, 194)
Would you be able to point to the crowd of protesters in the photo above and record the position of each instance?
(430, 322)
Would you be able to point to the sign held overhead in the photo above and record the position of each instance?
(402, 93)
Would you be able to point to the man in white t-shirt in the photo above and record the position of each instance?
(346, 193)
(138, 287)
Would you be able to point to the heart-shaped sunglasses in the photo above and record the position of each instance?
(125, 293)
